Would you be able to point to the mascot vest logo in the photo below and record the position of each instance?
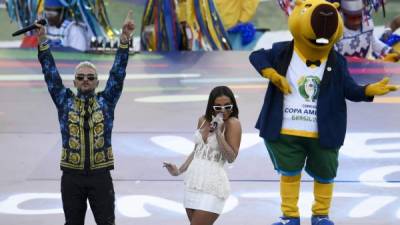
(309, 87)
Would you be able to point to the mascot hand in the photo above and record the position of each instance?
(392, 57)
(278, 80)
(379, 88)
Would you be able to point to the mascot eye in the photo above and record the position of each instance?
(308, 5)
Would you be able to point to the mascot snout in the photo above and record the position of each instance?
(324, 22)
(316, 26)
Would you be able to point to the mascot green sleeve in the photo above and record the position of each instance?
(303, 118)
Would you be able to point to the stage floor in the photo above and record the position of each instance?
(164, 94)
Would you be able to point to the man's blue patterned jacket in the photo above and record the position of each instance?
(86, 121)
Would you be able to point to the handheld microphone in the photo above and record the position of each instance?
(214, 122)
(29, 28)
(214, 125)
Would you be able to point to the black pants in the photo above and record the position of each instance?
(98, 188)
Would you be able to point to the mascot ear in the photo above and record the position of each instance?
(336, 4)
(298, 2)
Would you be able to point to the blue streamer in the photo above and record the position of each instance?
(392, 40)
(203, 27)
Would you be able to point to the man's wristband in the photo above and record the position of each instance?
(124, 42)
(44, 44)
(123, 45)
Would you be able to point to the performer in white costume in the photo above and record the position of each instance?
(62, 31)
(217, 140)
(358, 37)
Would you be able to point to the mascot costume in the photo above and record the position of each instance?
(303, 118)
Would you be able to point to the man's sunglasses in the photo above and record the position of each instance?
(81, 76)
(225, 107)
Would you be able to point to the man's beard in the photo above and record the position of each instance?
(86, 92)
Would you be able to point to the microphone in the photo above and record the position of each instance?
(29, 28)
(214, 125)
(214, 122)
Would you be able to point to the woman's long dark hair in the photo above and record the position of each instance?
(218, 92)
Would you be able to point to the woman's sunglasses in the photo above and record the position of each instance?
(225, 107)
(89, 76)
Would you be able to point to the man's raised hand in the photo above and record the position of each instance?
(127, 28)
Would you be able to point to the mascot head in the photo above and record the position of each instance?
(316, 26)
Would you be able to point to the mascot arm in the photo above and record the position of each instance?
(261, 59)
(352, 90)
(379, 88)
(278, 80)
(262, 62)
